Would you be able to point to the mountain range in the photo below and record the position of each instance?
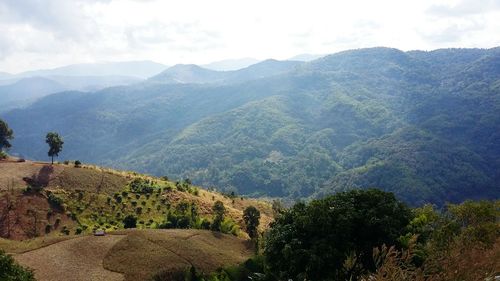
(424, 125)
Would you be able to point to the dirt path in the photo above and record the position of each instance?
(75, 259)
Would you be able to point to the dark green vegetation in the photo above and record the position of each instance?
(11, 271)
(424, 125)
(369, 235)
(251, 216)
(311, 242)
(6, 135)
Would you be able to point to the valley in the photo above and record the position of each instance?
(423, 125)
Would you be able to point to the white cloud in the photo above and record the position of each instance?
(50, 33)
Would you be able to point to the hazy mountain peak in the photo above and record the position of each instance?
(231, 64)
(305, 57)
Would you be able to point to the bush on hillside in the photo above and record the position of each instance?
(139, 185)
(130, 221)
(12, 271)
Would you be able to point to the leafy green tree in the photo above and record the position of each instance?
(315, 241)
(11, 271)
(6, 134)
(251, 216)
(55, 143)
(219, 212)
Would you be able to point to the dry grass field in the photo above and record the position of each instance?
(129, 254)
(73, 259)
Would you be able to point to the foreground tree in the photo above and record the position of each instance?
(6, 134)
(11, 271)
(333, 238)
(251, 216)
(55, 143)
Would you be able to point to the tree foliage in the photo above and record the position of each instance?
(312, 241)
(6, 134)
(218, 215)
(251, 216)
(55, 143)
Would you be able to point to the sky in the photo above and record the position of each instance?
(38, 34)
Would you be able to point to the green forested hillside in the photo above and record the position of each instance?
(425, 125)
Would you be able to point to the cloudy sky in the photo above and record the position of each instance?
(50, 33)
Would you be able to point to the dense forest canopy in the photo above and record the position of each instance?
(424, 125)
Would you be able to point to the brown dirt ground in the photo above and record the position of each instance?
(75, 259)
(146, 252)
(12, 173)
(58, 176)
(25, 215)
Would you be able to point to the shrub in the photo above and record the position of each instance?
(130, 221)
(78, 164)
(205, 224)
(10, 270)
(55, 201)
(139, 185)
(65, 230)
(78, 230)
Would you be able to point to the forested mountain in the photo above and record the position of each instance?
(424, 125)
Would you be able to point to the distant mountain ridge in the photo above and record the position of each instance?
(137, 69)
(424, 125)
(230, 64)
(193, 74)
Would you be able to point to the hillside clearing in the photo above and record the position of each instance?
(143, 253)
(75, 259)
(131, 254)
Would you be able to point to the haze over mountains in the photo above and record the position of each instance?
(424, 125)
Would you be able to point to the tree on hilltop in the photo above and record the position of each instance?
(55, 143)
